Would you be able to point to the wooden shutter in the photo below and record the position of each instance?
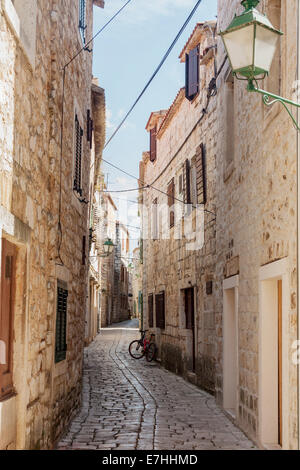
(192, 73)
(187, 182)
(7, 316)
(78, 156)
(83, 249)
(153, 144)
(194, 198)
(171, 196)
(150, 310)
(201, 174)
(61, 322)
(160, 310)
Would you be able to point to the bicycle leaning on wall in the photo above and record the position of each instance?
(143, 347)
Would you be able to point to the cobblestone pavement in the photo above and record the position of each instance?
(130, 404)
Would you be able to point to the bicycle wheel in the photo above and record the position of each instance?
(136, 350)
(151, 352)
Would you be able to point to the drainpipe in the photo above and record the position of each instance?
(298, 214)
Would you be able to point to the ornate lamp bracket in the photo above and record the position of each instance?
(270, 98)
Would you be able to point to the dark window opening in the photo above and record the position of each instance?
(160, 310)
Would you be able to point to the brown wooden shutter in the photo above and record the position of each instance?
(192, 73)
(61, 322)
(201, 174)
(78, 156)
(153, 144)
(160, 310)
(187, 182)
(150, 310)
(7, 316)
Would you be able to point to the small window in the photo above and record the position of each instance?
(150, 310)
(160, 310)
(82, 20)
(61, 322)
(78, 157)
(192, 74)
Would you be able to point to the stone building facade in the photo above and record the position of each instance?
(178, 218)
(256, 242)
(121, 310)
(96, 216)
(44, 187)
(109, 220)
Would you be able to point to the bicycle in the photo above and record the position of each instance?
(143, 347)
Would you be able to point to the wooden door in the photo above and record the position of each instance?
(190, 320)
(6, 316)
(280, 362)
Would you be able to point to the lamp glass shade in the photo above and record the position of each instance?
(265, 47)
(239, 45)
(108, 247)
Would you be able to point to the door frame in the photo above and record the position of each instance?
(269, 275)
(231, 283)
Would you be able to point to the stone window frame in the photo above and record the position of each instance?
(23, 28)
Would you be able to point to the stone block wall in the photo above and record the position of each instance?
(47, 394)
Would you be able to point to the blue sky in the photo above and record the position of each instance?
(125, 56)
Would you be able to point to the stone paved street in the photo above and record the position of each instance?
(129, 404)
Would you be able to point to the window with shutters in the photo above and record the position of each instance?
(192, 74)
(229, 102)
(160, 310)
(150, 310)
(82, 20)
(171, 200)
(153, 144)
(7, 317)
(78, 157)
(61, 322)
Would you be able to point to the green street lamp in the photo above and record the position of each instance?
(108, 247)
(250, 42)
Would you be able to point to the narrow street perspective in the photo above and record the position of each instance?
(149, 227)
(134, 405)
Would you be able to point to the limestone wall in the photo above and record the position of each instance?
(256, 223)
(47, 394)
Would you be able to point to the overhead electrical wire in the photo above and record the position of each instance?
(151, 186)
(155, 72)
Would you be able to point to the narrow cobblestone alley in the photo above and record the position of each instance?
(130, 404)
